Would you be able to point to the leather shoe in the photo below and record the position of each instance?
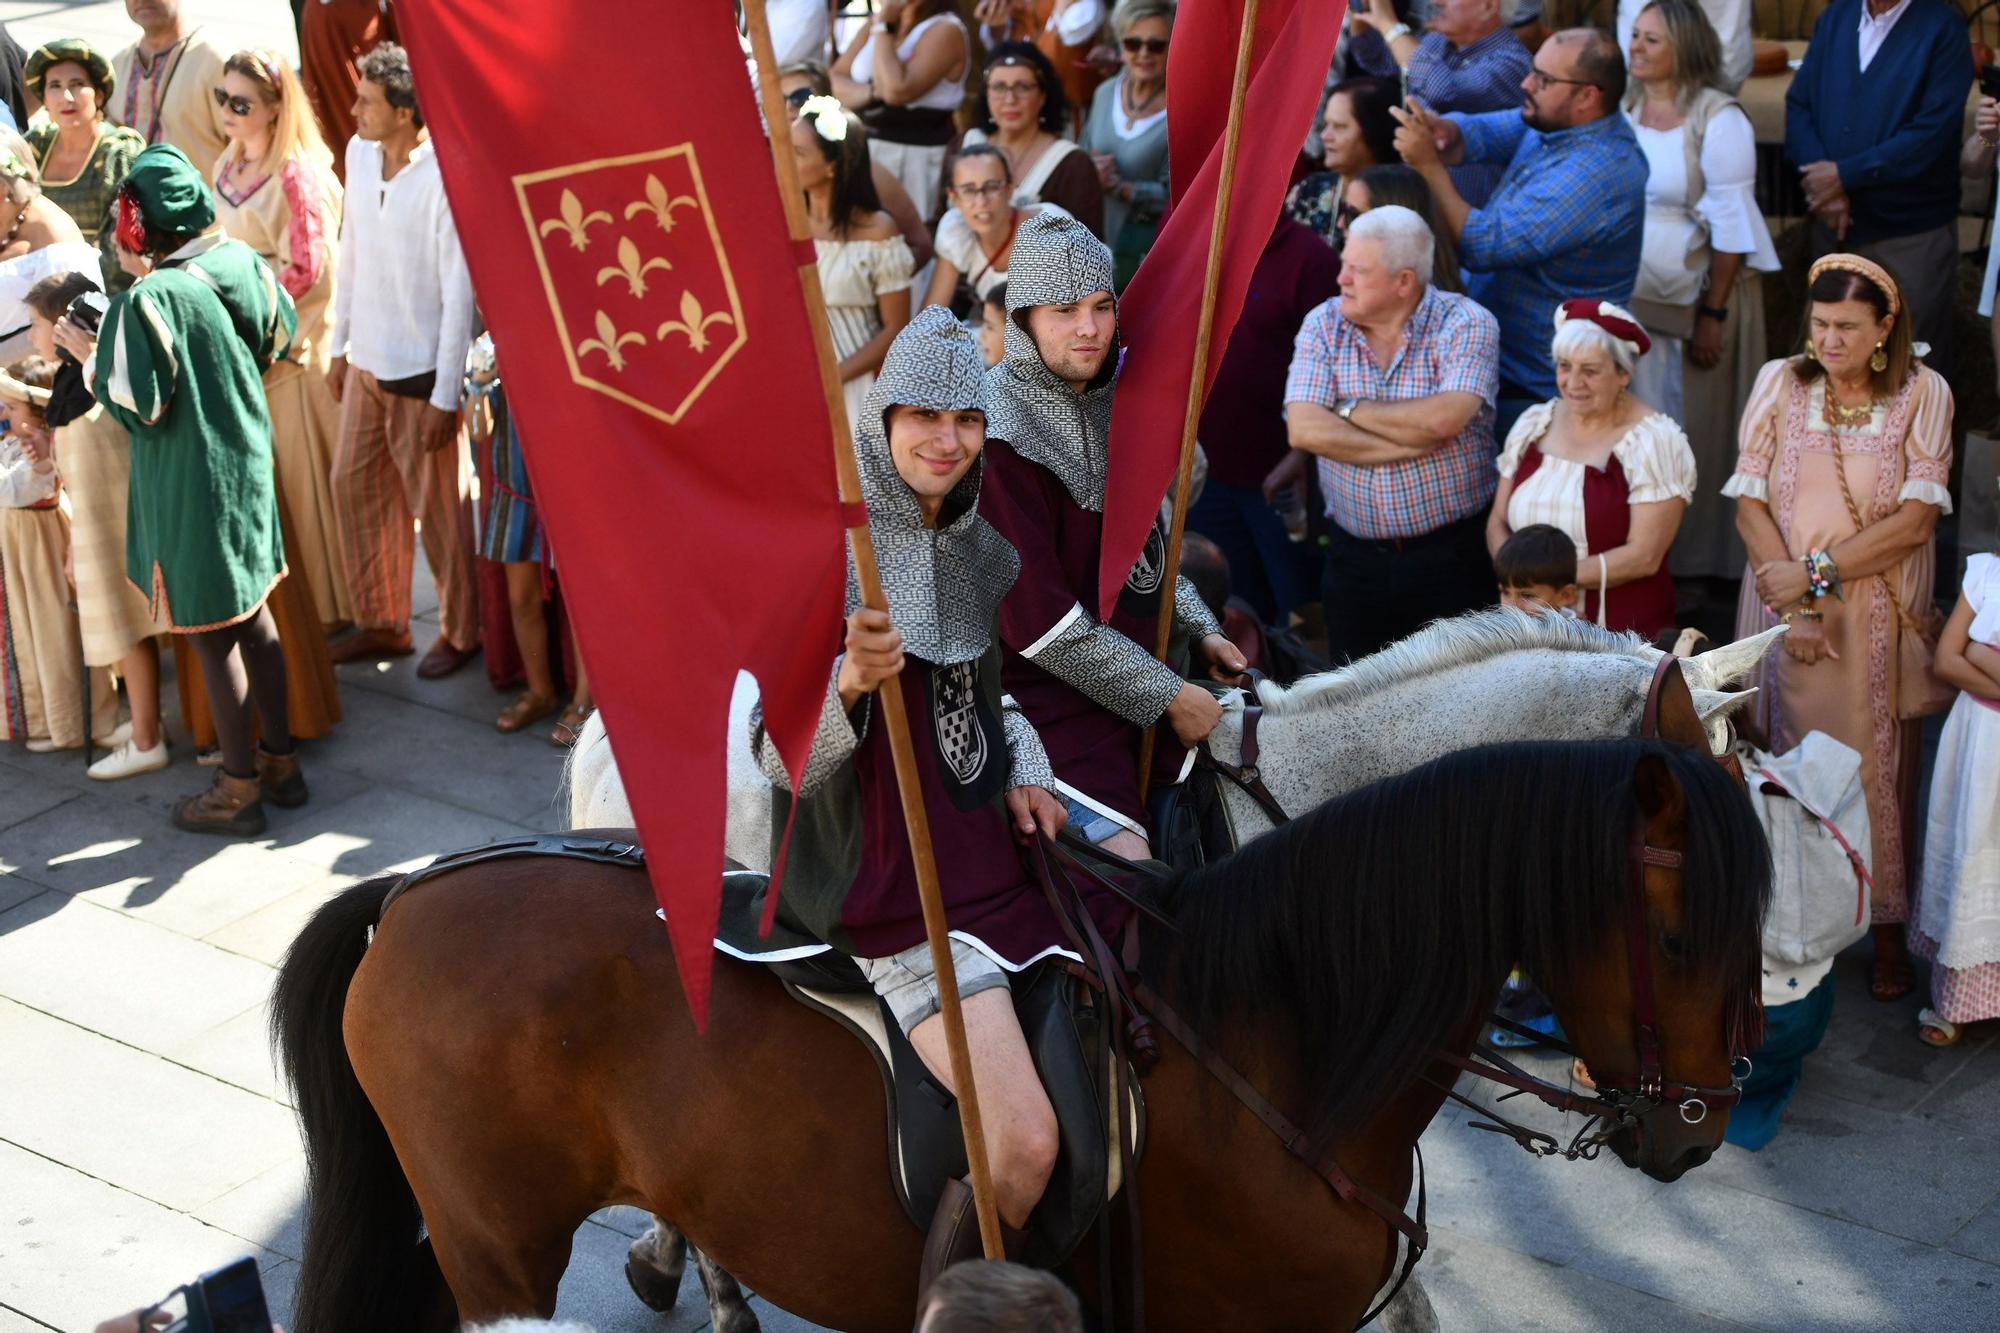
(369, 643)
(444, 658)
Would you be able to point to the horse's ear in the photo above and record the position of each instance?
(1658, 793)
(1678, 719)
(1719, 667)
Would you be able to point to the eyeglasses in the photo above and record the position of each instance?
(1011, 92)
(798, 97)
(982, 190)
(1154, 45)
(236, 106)
(1542, 80)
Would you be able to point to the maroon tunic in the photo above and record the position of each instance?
(1092, 748)
(1645, 605)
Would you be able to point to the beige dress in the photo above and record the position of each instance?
(94, 456)
(853, 274)
(41, 690)
(1788, 460)
(291, 218)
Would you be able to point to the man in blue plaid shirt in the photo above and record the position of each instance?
(1567, 217)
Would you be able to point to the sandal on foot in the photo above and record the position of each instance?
(527, 709)
(1936, 1032)
(568, 727)
(1891, 979)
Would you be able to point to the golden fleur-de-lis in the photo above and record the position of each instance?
(574, 221)
(630, 267)
(610, 342)
(693, 323)
(659, 202)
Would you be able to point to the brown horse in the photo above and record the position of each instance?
(512, 1051)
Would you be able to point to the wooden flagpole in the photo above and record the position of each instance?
(1204, 329)
(870, 579)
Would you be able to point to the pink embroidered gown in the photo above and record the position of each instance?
(1786, 459)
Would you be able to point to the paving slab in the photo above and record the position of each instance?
(1871, 1054)
(75, 1250)
(1721, 1251)
(237, 1051)
(268, 932)
(627, 1221)
(1474, 1285)
(1980, 1238)
(14, 890)
(465, 693)
(594, 1290)
(143, 985)
(12, 1321)
(437, 755)
(1968, 1095)
(25, 793)
(383, 828)
(127, 857)
(160, 1131)
(268, 1212)
(1829, 1158)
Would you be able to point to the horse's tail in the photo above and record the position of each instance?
(366, 1266)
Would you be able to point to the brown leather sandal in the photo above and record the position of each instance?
(568, 727)
(525, 711)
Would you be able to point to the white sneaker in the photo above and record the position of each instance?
(42, 746)
(127, 761)
(119, 735)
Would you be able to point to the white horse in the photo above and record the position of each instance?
(1495, 675)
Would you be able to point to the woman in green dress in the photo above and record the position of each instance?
(82, 156)
(179, 363)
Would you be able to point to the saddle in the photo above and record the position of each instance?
(1064, 1019)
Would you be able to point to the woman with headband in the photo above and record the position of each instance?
(81, 155)
(275, 191)
(1845, 453)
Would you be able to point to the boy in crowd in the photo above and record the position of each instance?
(1536, 571)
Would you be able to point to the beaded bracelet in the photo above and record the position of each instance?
(1822, 574)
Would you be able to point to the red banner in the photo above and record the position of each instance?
(1290, 55)
(629, 251)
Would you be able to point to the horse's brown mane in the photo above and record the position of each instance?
(1444, 645)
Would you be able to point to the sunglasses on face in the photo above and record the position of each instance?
(798, 97)
(1152, 45)
(237, 106)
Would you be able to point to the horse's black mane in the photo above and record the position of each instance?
(1372, 928)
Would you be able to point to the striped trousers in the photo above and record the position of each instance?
(383, 481)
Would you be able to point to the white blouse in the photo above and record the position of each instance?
(1669, 268)
(945, 94)
(23, 481)
(1982, 594)
(958, 245)
(1655, 454)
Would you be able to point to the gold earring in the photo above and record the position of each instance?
(1812, 351)
(1880, 361)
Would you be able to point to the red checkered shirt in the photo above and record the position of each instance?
(1450, 344)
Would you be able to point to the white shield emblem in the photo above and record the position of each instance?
(1151, 566)
(961, 740)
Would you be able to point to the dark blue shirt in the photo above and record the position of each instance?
(1892, 132)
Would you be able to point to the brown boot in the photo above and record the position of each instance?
(279, 777)
(954, 1236)
(232, 807)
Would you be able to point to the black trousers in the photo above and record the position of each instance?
(1376, 592)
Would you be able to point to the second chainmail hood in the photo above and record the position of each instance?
(944, 584)
(1055, 261)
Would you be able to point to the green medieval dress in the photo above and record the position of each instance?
(179, 364)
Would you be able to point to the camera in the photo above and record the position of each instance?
(88, 310)
(228, 1300)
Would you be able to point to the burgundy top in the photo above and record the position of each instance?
(1092, 748)
(963, 764)
(1645, 605)
(1243, 426)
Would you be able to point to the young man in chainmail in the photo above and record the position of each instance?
(1090, 686)
(985, 778)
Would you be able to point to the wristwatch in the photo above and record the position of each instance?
(1400, 30)
(1345, 409)
(1718, 313)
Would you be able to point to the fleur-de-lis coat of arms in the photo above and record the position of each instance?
(637, 276)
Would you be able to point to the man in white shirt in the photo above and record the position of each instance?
(402, 319)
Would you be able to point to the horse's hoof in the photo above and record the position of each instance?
(650, 1285)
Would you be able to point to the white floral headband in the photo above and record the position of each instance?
(829, 117)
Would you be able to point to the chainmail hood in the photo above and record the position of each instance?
(944, 584)
(1055, 261)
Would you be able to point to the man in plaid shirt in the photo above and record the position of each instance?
(1567, 217)
(1392, 385)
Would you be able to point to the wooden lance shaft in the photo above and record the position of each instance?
(1204, 329)
(891, 701)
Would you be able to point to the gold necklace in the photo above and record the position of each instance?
(1838, 414)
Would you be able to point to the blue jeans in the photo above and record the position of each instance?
(1266, 567)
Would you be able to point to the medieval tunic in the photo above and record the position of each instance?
(41, 694)
(290, 217)
(94, 455)
(169, 98)
(177, 364)
(1087, 686)
(849, 879)
(1792, 460)
(88, 195)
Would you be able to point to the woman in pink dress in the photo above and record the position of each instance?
(1845, 450)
